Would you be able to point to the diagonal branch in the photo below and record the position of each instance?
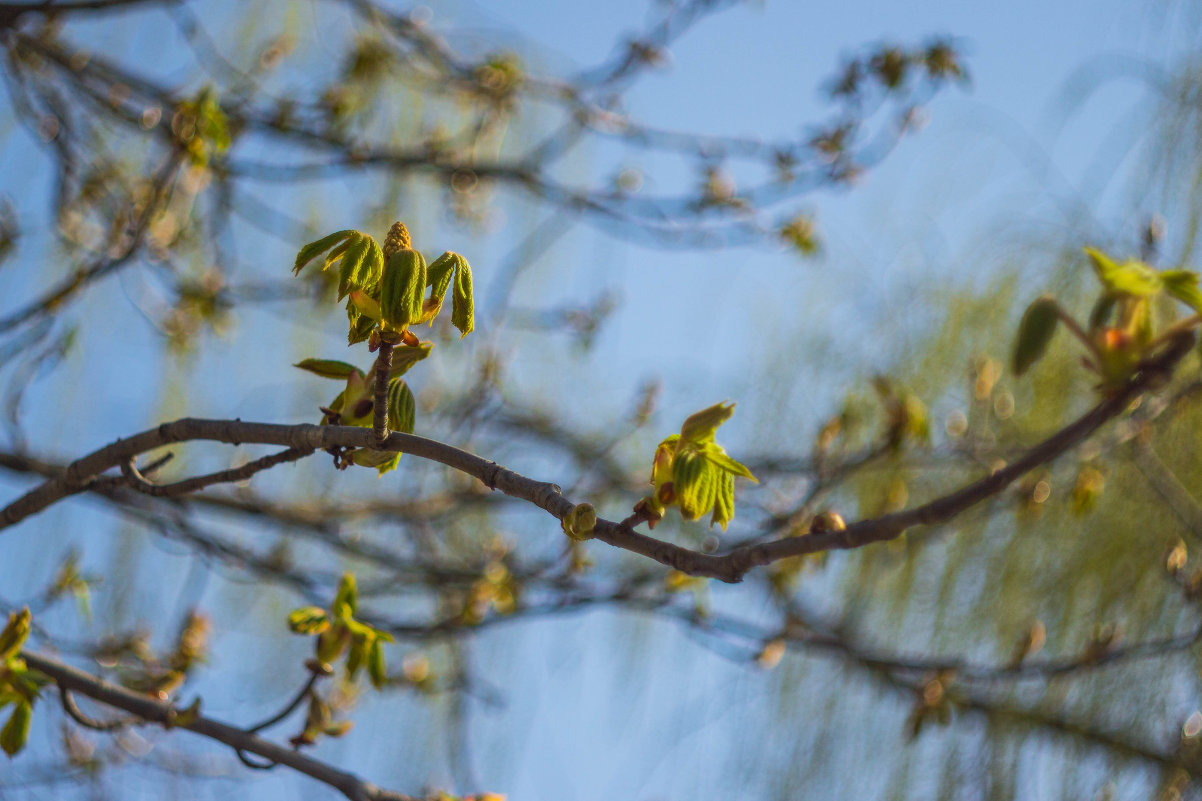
(729, 567)
(152, 710)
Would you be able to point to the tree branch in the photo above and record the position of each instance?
(729, 567)
(152, 710)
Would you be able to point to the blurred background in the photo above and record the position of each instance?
(833, 216)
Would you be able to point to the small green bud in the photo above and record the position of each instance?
(580, 522)
(1035, 332)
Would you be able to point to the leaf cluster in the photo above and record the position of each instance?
(339, 633)
(1122, 328)
(19, 686)
(694, 473)
(355, 405)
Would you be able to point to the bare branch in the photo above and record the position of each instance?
(152, 710)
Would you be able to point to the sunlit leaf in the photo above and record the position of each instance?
(462, 302)
(309, 620)
(402, 408)
(328, 368)
(701, 426)
(314, 249)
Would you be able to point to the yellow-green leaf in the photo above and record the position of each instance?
(365, 305)
(701, 426)
(16, 731)
(402, 288)
(348, 594)
(693, 478)
(404, 357)
(328, 368)
(462, 302)
(1132, 277)
(402, 408)
(724, 501)
(309, 620)
(14, 634)
(375, 664)
(1183, 285)
(315, 249)
(718, 456)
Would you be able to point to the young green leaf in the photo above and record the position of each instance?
(402, 408)
(375, 664)
(718, 456)
(328, 368)
(462, 302)
(347, 596)
(365, 305)
(1035, 332)
(438, 278)
(351, 273)
(315, 249)
(14, 634)
(404, 357)
(402, 287)
(724, 501)
(383, 461)
(16, 731)
(308, 620)
(701, 426)
(692, 479)
(1131, 277)
(1183, 285)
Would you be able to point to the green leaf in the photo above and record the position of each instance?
(351, 273)
(404, 357)
(348, 594)
(14, 634)
(365, 305)
(439, 274)
(383, 461)
(1183, 285)
(402, 287)
(16, 731)
(375, 664)
(724, 501)
(314, 249)
(462, 303)
(402, 408)
(328, 368)
(360, 327)
(354, 659)
(1035, 331)
(1132, 277)
(701, 426)
(693, 479)
(718, 456)
(308, 620)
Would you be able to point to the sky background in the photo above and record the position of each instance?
(605, 706)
